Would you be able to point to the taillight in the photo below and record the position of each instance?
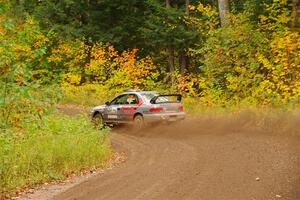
(155, 109)
(180, 108)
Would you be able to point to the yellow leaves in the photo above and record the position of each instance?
(206, 10)
(283, 67)
(21, 48)
(54, 58)
(101, 62)
(264, 89)
(192, 7)
(30, 21)
(200, 8)
(264, 61)
(66, 54)
(296, 89)
(278, 16)
(72, 78)
(63, 49)
(98, 62)
(208, 22)
(285, 49)
(283, 19)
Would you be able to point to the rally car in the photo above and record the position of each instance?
(139, 108)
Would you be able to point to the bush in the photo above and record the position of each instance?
(52, 149)
(86, 95)
(243, 67)
(230, 63)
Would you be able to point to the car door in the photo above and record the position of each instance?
(129, 108)
(113, 110)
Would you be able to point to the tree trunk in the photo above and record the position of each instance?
(170, 52)
(183, 60)
(187, 5)
(183, 57)
(170, 48)
(168, 4)
(223, 11)
(294, 24)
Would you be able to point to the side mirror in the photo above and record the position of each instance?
(107, 103)
(179, 98)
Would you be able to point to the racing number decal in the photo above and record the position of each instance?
(130, 110)
(112, 113)
(127, 110)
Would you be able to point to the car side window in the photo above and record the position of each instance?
(132, 99)
(162, 100)
(119, 100)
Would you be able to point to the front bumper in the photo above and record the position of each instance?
(164, 117)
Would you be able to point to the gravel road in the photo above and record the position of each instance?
(205, 158)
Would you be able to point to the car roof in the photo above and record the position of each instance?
(140, 92)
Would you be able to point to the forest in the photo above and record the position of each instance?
(228, 54)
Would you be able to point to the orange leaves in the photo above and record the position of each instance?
(41, 40)
(60, 53)
(107, 66)
(2, 31)
(136, 69)
(189, 84)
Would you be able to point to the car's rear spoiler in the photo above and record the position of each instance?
(178, 100)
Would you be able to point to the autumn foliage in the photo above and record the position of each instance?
(253, 60)
(240, 63)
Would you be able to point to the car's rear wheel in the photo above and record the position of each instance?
(97, 120)
(138, 123)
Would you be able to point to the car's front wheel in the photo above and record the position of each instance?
(97, 120)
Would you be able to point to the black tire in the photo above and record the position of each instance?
(98, 120)
(138, 123)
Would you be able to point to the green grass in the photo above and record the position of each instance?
(49, 150)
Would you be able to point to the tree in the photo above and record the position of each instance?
(170, 47)
(223, 10)
(183, 57)
(294, 14)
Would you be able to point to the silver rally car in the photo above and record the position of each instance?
(139, 108)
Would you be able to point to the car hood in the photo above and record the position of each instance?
(100, 108)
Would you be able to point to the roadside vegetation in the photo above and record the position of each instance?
(50, 149)
(220, 55)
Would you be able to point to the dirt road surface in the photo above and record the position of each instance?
(207, 159)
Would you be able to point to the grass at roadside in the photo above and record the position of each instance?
(49, 150)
